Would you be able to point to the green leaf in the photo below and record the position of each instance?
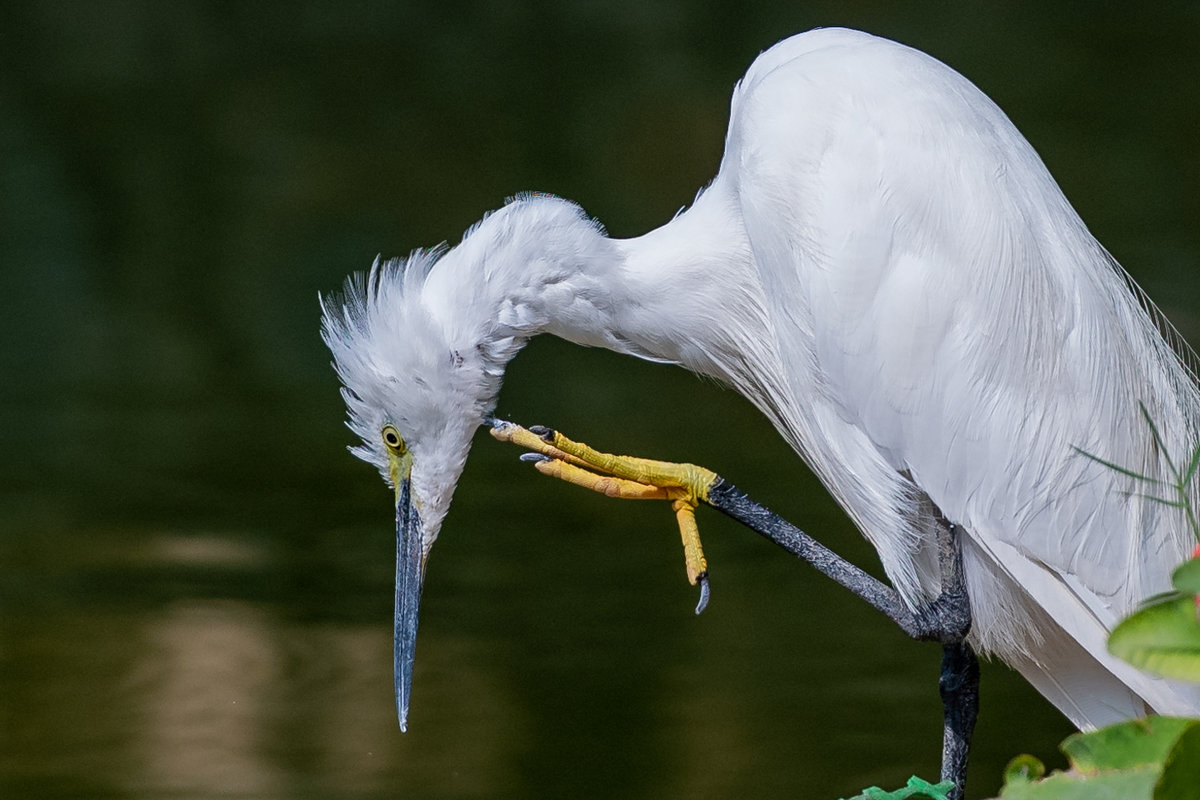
(1187, 577)
(1181, 773)
(1156, 499)
(1126, 745)
(1161, 597)
(915, 789)
(1162, 448)
(1191, 467)
(1156, 758)
(1024, 768)
(1135, 784)
(1163, 639)
(1117, 467)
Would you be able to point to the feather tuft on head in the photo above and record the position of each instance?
(399, 365)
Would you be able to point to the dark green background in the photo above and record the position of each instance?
(195, 578)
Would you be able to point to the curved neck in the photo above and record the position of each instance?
(539, 265)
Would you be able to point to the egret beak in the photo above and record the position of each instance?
(410, 579)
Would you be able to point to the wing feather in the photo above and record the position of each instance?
(944, 315)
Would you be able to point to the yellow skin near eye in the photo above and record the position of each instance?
(399, 459)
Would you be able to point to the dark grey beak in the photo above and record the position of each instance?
(410, 579)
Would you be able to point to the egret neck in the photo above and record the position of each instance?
(539, 265)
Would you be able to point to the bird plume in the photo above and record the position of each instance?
(395, 360)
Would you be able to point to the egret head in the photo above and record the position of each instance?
(421, 345)
(416, 388)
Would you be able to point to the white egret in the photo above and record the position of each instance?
(886, 269)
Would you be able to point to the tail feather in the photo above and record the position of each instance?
(1068, 659)
(1078, 686)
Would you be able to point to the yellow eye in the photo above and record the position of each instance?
(392, 438)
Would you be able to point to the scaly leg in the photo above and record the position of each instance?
(627, 478)
(959, 681)
(691, 481)
(947, 619)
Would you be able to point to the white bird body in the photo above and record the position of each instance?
(886, 269)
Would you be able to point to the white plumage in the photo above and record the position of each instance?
(886, 269)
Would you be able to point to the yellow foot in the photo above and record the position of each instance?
(625, 477)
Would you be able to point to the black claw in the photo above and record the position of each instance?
(547, 434)
(702, 579)
(534, 458)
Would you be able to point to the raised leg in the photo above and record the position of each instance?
(946, 620)
(627, 478)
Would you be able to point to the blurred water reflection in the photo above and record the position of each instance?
(195, 579)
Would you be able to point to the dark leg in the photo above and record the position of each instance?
(959, 685)
(959, 682)
(947, 619)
